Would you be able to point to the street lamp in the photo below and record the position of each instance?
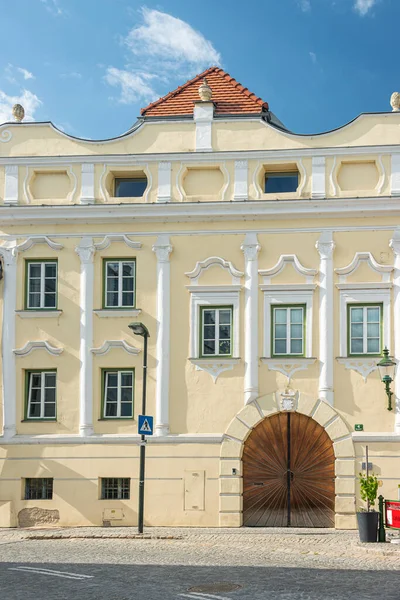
(386, 369)
(140, 329)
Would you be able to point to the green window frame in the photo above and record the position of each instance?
(118, 393)
(364, 329)
(41, 284)
(115, 488)
(216, 331)
(119, 283)
(288, 332)
(38, 488)
(41, 395)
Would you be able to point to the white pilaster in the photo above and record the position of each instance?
(251, 249)
(85, 251)
(325, 247)
(395, 246)
(164, 182)
(87, 193)
(318, 177)
(395, 175)
(11, 184)
(162, 249)
(241, 191)
(9, 256)
(203, 116)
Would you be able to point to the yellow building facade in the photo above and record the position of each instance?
(266, 267)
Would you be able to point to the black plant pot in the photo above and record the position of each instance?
(368, 526)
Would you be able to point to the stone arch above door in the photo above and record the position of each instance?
(231, 501)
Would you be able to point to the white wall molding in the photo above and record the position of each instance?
(5, 136)
(288, 367)
(241, 187)
(363, 366)
(395, 246)
(163, 249)
(325, 247)
(382, 174)
(212, 261)
(318, 189)
(113, 313)
(164, 182)
(332, 178)
(214, 366)
(107, 439)
(360, 258)
(115, 344)
(9, 255)
(303, 179)
(203, 116)
(116, 237)
(87, 186)
(395, 174)
(11, 184)
(74, 181)
(251, 248)
(38, 345)
(39, 239)
(86, 251)
(284, 260)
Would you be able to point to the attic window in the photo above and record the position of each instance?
(281, 182)
(130, 187)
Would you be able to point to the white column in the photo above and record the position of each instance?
(240, 189)
(86, 251)
(164, 182)
(11, 184)
(325, 247)
(251, 249)
(203, 117)
(8, 339)
(163, 248)
(395, 246)
(318, 177)
(87, 191)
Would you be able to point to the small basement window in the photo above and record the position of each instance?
(38, 488)
(130, 187)
(281, 182)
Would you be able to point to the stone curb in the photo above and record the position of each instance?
(117, 536)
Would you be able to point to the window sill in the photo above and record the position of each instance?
(214, 365)
(107, 313)
(364, 365)
(39, 421)
(116, 419)
(288, 365)
(39, 314)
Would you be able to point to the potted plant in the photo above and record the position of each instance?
(368, 519)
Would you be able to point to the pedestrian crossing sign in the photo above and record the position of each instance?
(145, 425)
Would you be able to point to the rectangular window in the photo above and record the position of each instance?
(118, 394)
(41, 402)
(41, 285)
(279, 183)
(288, 330)
(115, 488)
(39, 488)
(119, 283)
(130, 187)
(216, 331)
(365, 329)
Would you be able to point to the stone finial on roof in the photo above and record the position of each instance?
(395, 101)
(18, 112)
(205, 92)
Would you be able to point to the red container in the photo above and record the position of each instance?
(392, 514)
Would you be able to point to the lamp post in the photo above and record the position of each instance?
(386, 369)
(140, 329)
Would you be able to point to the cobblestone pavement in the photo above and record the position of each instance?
(170, 564)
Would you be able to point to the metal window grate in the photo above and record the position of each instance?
(39, 488)
(115, 488)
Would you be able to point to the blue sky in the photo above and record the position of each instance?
(90, 65)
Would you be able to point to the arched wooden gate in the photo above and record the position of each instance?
(288, 474)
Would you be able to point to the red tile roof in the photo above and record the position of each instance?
(229, 97)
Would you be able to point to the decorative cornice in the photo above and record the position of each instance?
(111, 344)
(214, 366)
(38, 345)
(363, 366)
(115, 237)
(360, 257)
(40, 239)
(288, 366)
(203, 265)
(284, 260)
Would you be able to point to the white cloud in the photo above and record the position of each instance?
(363, 6)
(27, 74)
(54, 7)
(134, 86)
(164, 46)
(29, 101)
(305, 5)
(313, 57)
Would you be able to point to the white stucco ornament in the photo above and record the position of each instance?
(18, 112)
(205, 92)
(288, 400)
(395, 101)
